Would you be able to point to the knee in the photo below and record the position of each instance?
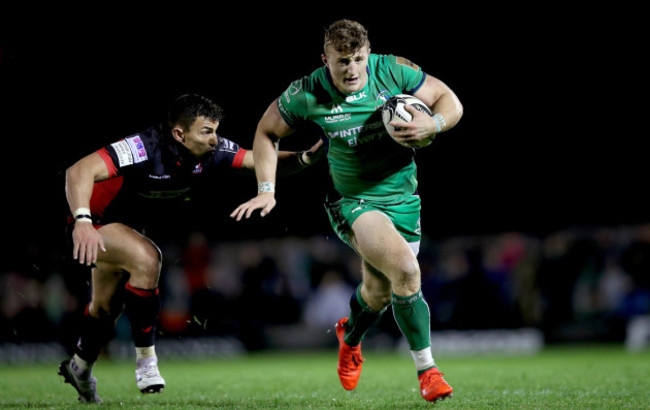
(148, 261)
(376, 297)
(145, 267)
(406, 280)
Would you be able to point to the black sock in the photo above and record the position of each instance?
(142, 307)
(95, 334)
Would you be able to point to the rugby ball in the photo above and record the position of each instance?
(393, 109)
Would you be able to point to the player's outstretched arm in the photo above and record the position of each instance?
(290, 162)
(270, 129)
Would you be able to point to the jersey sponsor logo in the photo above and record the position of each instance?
(137, 148)
(337, 109)
(408, 63)
(356, 97)
(123, 153)
(353, 135)
(337, 118)
(170, 194)
(345, 133)
(130, 151)
(165, 176)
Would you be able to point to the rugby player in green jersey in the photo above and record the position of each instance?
(373, 205)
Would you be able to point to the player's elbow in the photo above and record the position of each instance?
(73, 172)
(457, 113)
(91, 167)
(460, 110)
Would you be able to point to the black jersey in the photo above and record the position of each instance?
(150, 169)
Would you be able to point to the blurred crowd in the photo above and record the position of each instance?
(582, 284)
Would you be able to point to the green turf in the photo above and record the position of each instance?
(567, 377)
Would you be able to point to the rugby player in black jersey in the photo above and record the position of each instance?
(109, 193)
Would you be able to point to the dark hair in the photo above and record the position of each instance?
(188, 107)
(346, 36)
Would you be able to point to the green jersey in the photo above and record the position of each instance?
(365, 162)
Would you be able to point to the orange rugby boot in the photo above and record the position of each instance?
(433, 387)
(350, 359)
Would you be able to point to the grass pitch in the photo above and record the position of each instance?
(559, 377)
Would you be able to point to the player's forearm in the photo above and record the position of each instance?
(265, 150)
(78, 188)
(448, 106)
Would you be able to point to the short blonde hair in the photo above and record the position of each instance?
(346, 36)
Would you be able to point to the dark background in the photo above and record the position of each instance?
(551, 136)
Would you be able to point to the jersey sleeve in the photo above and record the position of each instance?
(228, 153)
(409, 74)
(292, 103)
(125, 153)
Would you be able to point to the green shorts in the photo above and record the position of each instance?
(405, 216)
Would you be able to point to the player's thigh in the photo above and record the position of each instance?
(128, 250)
(124, 247)
(381, 245)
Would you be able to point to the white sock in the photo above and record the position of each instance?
(81, 367)
(145, 352)
(145, 355)
(423, 358)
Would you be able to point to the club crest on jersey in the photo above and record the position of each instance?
(382, 97)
